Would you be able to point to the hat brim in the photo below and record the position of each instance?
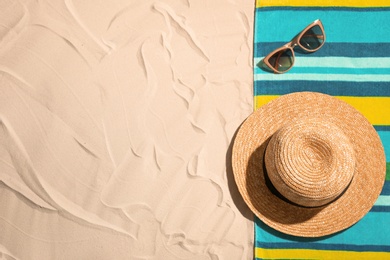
(250, 176)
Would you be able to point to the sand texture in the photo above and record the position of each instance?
(116, 121)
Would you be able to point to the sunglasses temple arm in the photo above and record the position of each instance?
(313, 35)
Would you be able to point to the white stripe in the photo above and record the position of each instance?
(339, 62)
(323, 77)
(383, 200)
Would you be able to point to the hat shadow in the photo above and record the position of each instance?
(233, 189)
(265, 228)
(261, 191)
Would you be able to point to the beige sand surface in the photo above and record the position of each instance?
(116, 119)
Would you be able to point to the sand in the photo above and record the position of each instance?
(116, 122)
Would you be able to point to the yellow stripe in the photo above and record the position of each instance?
(345, 3)
(375, 109)
(317, 254)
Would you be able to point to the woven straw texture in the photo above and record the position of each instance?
(337, 138)
(310, 162)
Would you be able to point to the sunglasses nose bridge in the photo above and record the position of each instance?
(291, 45)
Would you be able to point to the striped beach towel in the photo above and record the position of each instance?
(353, 65)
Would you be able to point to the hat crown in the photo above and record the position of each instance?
(310, 162)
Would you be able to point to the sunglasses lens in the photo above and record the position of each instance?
(312, 39)
(281, 60)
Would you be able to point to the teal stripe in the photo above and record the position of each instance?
(377, 234)
(383, 201)
(313, 8)
(333, 49)
(338, 62)
(308, 61)
(385, 138)
(340, 26)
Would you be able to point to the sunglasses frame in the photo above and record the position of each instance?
(293, 43)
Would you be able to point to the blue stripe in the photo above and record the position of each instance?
(334, 88)
(340, 26)
(382, 128)
(358, 235)
(386, 188)
(385, 138)
(322, 77)
(323, 246)
(332, 70)
(380, 209)
(343, 49)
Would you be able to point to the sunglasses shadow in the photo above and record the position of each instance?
(261, 65)
(264, 67)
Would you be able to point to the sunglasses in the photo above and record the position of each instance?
(310, 40)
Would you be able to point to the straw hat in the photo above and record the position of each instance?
(308, 164)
